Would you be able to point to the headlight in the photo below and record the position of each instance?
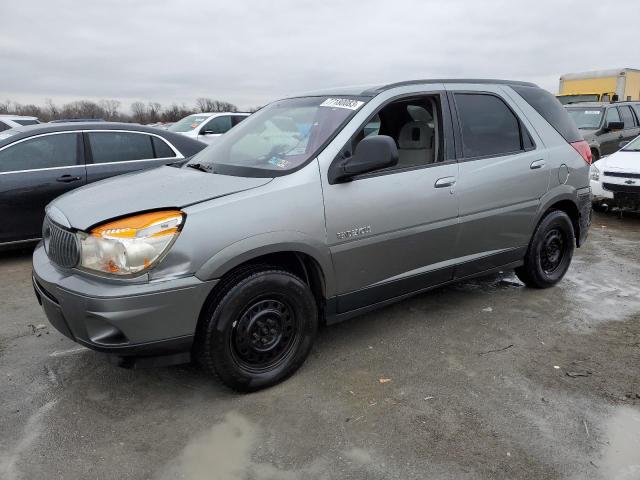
(594, 173)
(130, 245)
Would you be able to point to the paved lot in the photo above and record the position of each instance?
(487, 379)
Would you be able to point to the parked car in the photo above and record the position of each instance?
(606, 125)
(68, 120)
(13, 121)
(40, 162)
(615, 179)
(206, 127)
(313, 210)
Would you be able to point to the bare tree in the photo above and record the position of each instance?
(154, 109)
(110, 108)
(139, 111)
(52, 110)
(210, 105)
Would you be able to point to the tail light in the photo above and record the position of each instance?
(582, 147)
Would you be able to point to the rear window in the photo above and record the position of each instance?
(27, 122)
(551, 110)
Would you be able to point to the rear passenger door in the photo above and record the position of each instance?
(111, 153)
(502, 175)
(33, 172)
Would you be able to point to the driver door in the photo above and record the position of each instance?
(392, 232)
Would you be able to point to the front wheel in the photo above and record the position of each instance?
(550, 251)
(258, 330)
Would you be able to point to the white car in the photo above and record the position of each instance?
(13, 121)
(206, 127)
(615, 179)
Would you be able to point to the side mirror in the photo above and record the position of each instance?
(613, 126)
(372, 153)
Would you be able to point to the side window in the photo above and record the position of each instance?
(161, 149)
(489, 127)
(612, 115)
(4, 126)
(217, 125)
(107, 147)
(627, 116)
(48, 151)
(237, 119)
(414, 124)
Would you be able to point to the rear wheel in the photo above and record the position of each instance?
(259, 329)
(550, 251)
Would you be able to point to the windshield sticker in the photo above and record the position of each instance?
(280, 163)
(592, 112)
(342, 103)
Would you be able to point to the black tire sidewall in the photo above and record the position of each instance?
(276, 284)
(555, 219)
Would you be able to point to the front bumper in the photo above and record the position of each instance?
(118, 316)
(615, 194)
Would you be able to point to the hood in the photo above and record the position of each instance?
(621, 161)
(164, 187)
(588, 134)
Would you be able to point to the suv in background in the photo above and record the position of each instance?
(315, 209)
(13, 121)
(206, 127)
(605, 126)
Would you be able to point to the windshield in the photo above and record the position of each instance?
(632, 146)
(567, 99)
(278, 138)
(188, 123)
(586, 118)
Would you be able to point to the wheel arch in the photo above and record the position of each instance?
(567, 203)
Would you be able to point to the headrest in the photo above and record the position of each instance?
(415, 136)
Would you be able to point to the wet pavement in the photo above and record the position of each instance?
(485, 379)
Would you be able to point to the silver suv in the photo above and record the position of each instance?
(313, 210)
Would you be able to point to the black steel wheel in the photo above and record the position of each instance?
(258, 328)
(550, 251)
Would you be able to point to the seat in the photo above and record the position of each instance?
(415, 144)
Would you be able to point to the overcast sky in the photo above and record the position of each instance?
(251, 52)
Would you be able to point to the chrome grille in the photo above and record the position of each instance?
(60, 244)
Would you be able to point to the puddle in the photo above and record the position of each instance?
(621, 457)
(226, 452)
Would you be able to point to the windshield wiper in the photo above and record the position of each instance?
(199, 166)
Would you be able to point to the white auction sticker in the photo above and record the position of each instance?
(342, 103)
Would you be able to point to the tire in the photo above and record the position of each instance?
(258, 329)
(550, 251)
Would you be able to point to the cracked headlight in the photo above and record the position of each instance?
(594, 173)
(130, 245)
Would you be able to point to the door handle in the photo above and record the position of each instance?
(67, 179)
(536, 164)
(445, 182)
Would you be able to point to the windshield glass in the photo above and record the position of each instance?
(633, 145)
(586, 118)
(278, 138)
(27, 122)
(188, 123)
(567, 99)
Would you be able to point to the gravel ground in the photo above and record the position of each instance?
(485, 379)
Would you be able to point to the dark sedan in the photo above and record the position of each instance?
(40, 162)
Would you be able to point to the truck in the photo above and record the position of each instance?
(600, 86)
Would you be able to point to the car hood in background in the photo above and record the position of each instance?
(621, 161)
(164, 187)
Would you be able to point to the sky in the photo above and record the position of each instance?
(250, 52)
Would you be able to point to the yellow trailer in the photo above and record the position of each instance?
(600, 86)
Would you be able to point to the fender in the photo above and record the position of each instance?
(569, 193)
(265, 243)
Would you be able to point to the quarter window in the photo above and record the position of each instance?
(107, 147)
(60, 150)
(161, 149)
(4, 126)
(488, 126)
